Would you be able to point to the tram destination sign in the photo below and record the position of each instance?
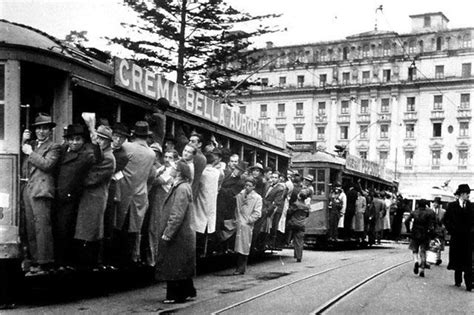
(357, 164)
(134, 78)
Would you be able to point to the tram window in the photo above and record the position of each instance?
(2, 102)
(320, 182)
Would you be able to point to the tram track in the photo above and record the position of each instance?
(313, 275)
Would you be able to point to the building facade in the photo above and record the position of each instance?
(402, 100)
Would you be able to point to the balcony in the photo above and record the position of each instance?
(386, 117)
(344, 118)
(321, 119)
(363, 118)
(437, 114)
(464, 113)
(298, 120)
(280, 121)
(410, 116)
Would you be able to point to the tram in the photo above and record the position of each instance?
(328, 169)
(39, 73)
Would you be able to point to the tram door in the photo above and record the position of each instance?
(9, 158)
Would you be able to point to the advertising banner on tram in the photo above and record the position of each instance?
(357, 164)
(132, 77)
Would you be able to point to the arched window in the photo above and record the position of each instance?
(365, 51)
(439, 43)
(412, 47)
(323, 56)
(466, 41)
(345, 53)
(386, 49)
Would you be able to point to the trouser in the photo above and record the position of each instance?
(179, 290)
(467, 277)
(348, 216)
(333, 220)
(298, 243)
(150, 237)
(64, 227)
(241, 263)
(259, 237)
(274, 230)
(38, 228)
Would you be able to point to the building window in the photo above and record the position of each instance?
(321, 133)
(363, 131)
(409, 158)
(344, 107)
(463, 129)
(2, 102)
(438, 102)
(384, 131)
(427, 21)
(439, 43)
(298, 133)
(365, 76)
(439, 72)
(386, 75)
(411, 73)
(365, 51)
(385, 105)
(323, 79)
(410, 131)
(282, 81)
(363, 155)
(263, 110)
(344, 132)
(466, 41)
(364, 106)
(435, 157)
(264, 82)
(437, 130)
(383, 156)
(466, 70)
(300, 81)
(281, 129)
(463, 157)
(323, 55)
(321, 108)
(345, 53)
(281, 110)
(345, 77)
(386, 49)
(299, 109)
(410, 104)
(412, 47)
(243, 109)
(465, 100)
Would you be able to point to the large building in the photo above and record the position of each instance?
(402, 100)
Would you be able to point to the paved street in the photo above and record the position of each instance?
(278, 284)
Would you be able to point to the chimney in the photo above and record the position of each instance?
(269, 44)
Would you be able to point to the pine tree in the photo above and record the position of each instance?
(194, 38)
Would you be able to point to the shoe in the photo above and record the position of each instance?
(422, 274)
(298, 260)
(7, 306)
(173, 301)
(438, 262)
(457, 284)
(235, 273)
(427, 266)
(469, 289)
(415, 268)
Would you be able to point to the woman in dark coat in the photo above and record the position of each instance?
(459, 221)
(176, 261)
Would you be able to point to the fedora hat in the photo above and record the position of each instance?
(155, 146)
(44, 119)
(309, 177)
(74, 130)
(142, 129)
(242, 165)
(463, 188)
(104, 132)
(121, 129)
(258, 166)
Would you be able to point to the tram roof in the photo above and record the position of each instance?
(318, 156)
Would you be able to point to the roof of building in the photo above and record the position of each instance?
(429, 13)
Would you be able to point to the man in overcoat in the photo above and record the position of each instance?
(199, 162)
(38, 195)
(134, 190)
(76, 160)
(248, 210)
(90, 216)
(459, 221)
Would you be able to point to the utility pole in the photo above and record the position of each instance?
(182, 38)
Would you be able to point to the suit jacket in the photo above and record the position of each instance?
(274, 199)
(199, 162)
(40, 169)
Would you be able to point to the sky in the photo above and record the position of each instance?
(306, 21)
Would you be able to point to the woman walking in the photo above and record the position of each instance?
(176, 261)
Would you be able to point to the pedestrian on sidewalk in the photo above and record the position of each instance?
(248, 210)
(459, 221)
(422, 231)
(297, 214)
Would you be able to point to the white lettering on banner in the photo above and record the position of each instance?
(144, 82)
(357, 164)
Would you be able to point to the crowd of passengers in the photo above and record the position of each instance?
(110, 197)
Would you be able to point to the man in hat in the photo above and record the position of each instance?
(90, 215)
(440, 229)
(248, 211)
(42, 156)
(257, 173)
(76, 160)
(134, 191)
(308, 180)
(459, 221)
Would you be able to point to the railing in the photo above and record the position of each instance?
(410, 116)
(280, 120)
(344, 118)
(437, 114)
(321, 119)
(364, 118)
(299, 120)
(464, 112)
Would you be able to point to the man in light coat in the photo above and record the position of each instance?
(248, 210)
(42, 158)
(134, 189)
